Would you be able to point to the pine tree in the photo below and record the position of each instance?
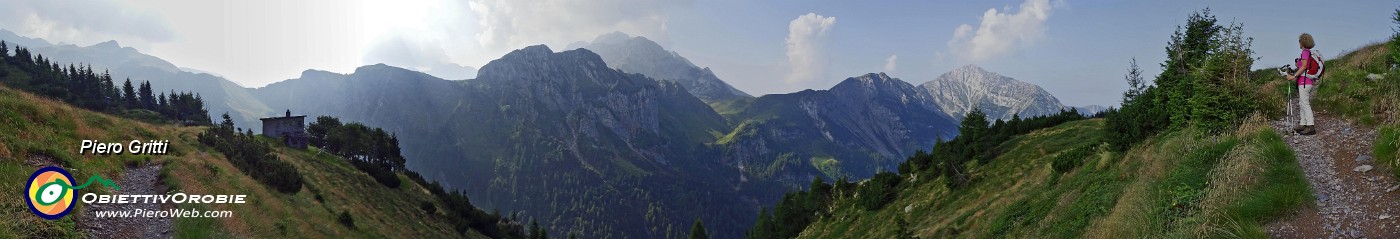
(535, 231)
(1186, 53)
(148, 98)
(697, 231)
(162, 106)
(1136, 84)
(764, 228)
(109, 92)
(129, 95)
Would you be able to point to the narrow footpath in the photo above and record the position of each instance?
(1355, 196)
(143, 179)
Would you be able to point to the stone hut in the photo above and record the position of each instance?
(290, 129)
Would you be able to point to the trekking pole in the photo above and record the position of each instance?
(1288, 100)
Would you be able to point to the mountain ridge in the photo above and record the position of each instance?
(964, 88)
(641, 55)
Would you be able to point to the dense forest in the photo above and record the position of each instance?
(83, 87)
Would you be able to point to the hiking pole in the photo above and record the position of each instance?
(1287, 101)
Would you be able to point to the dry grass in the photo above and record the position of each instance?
(1364, 57)
(1236, 174)
(1135, 208)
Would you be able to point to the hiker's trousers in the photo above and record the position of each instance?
(1305, 105)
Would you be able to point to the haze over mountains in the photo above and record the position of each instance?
(620, 138)
(640, 55)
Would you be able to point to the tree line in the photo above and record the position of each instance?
(369, 149)
(83, 87)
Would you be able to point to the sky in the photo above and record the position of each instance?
(1077, 50)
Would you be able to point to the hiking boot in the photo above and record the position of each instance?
(1309, 130)
(1298, 128)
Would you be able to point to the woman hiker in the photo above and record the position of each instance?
(1306, 66)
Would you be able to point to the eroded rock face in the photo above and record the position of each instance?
(576, 97)
(965, 88)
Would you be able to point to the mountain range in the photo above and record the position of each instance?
(620, 138)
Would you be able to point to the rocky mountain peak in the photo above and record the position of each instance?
(538, 59)
(971, 87)
(871, 81)
(108, 45)
(644, 56)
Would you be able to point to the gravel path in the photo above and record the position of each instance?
(138, 180)
(1356, 198)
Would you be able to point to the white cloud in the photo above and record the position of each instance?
(417, 54)
(1002, 32)
(806, 47)
(890, 63)
(84, 21)
(511, 24)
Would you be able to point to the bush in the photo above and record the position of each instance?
(345, 219)
(1387, 145)
(428, 207)
(1068, 160)
(382, 175)
(252, 157)
(878, 191)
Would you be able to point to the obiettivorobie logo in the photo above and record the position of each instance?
(51, 194)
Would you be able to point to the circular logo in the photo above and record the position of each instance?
(50, 193)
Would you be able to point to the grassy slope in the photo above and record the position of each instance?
(1345, 91)
(1229, 184)
(32, 128)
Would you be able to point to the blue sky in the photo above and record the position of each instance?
(1077, 50)
(1081, 58)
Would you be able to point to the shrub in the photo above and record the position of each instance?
(382, 175)
(428, 207)
(1386, 146)
(878, 191)
(345, 219)
(1068, 160)
(253, 157)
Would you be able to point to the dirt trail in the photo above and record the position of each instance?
(139, 180)
(1355, 197)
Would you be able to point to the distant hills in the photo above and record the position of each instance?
(857, 128)
(219, 94)
(621, 138)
